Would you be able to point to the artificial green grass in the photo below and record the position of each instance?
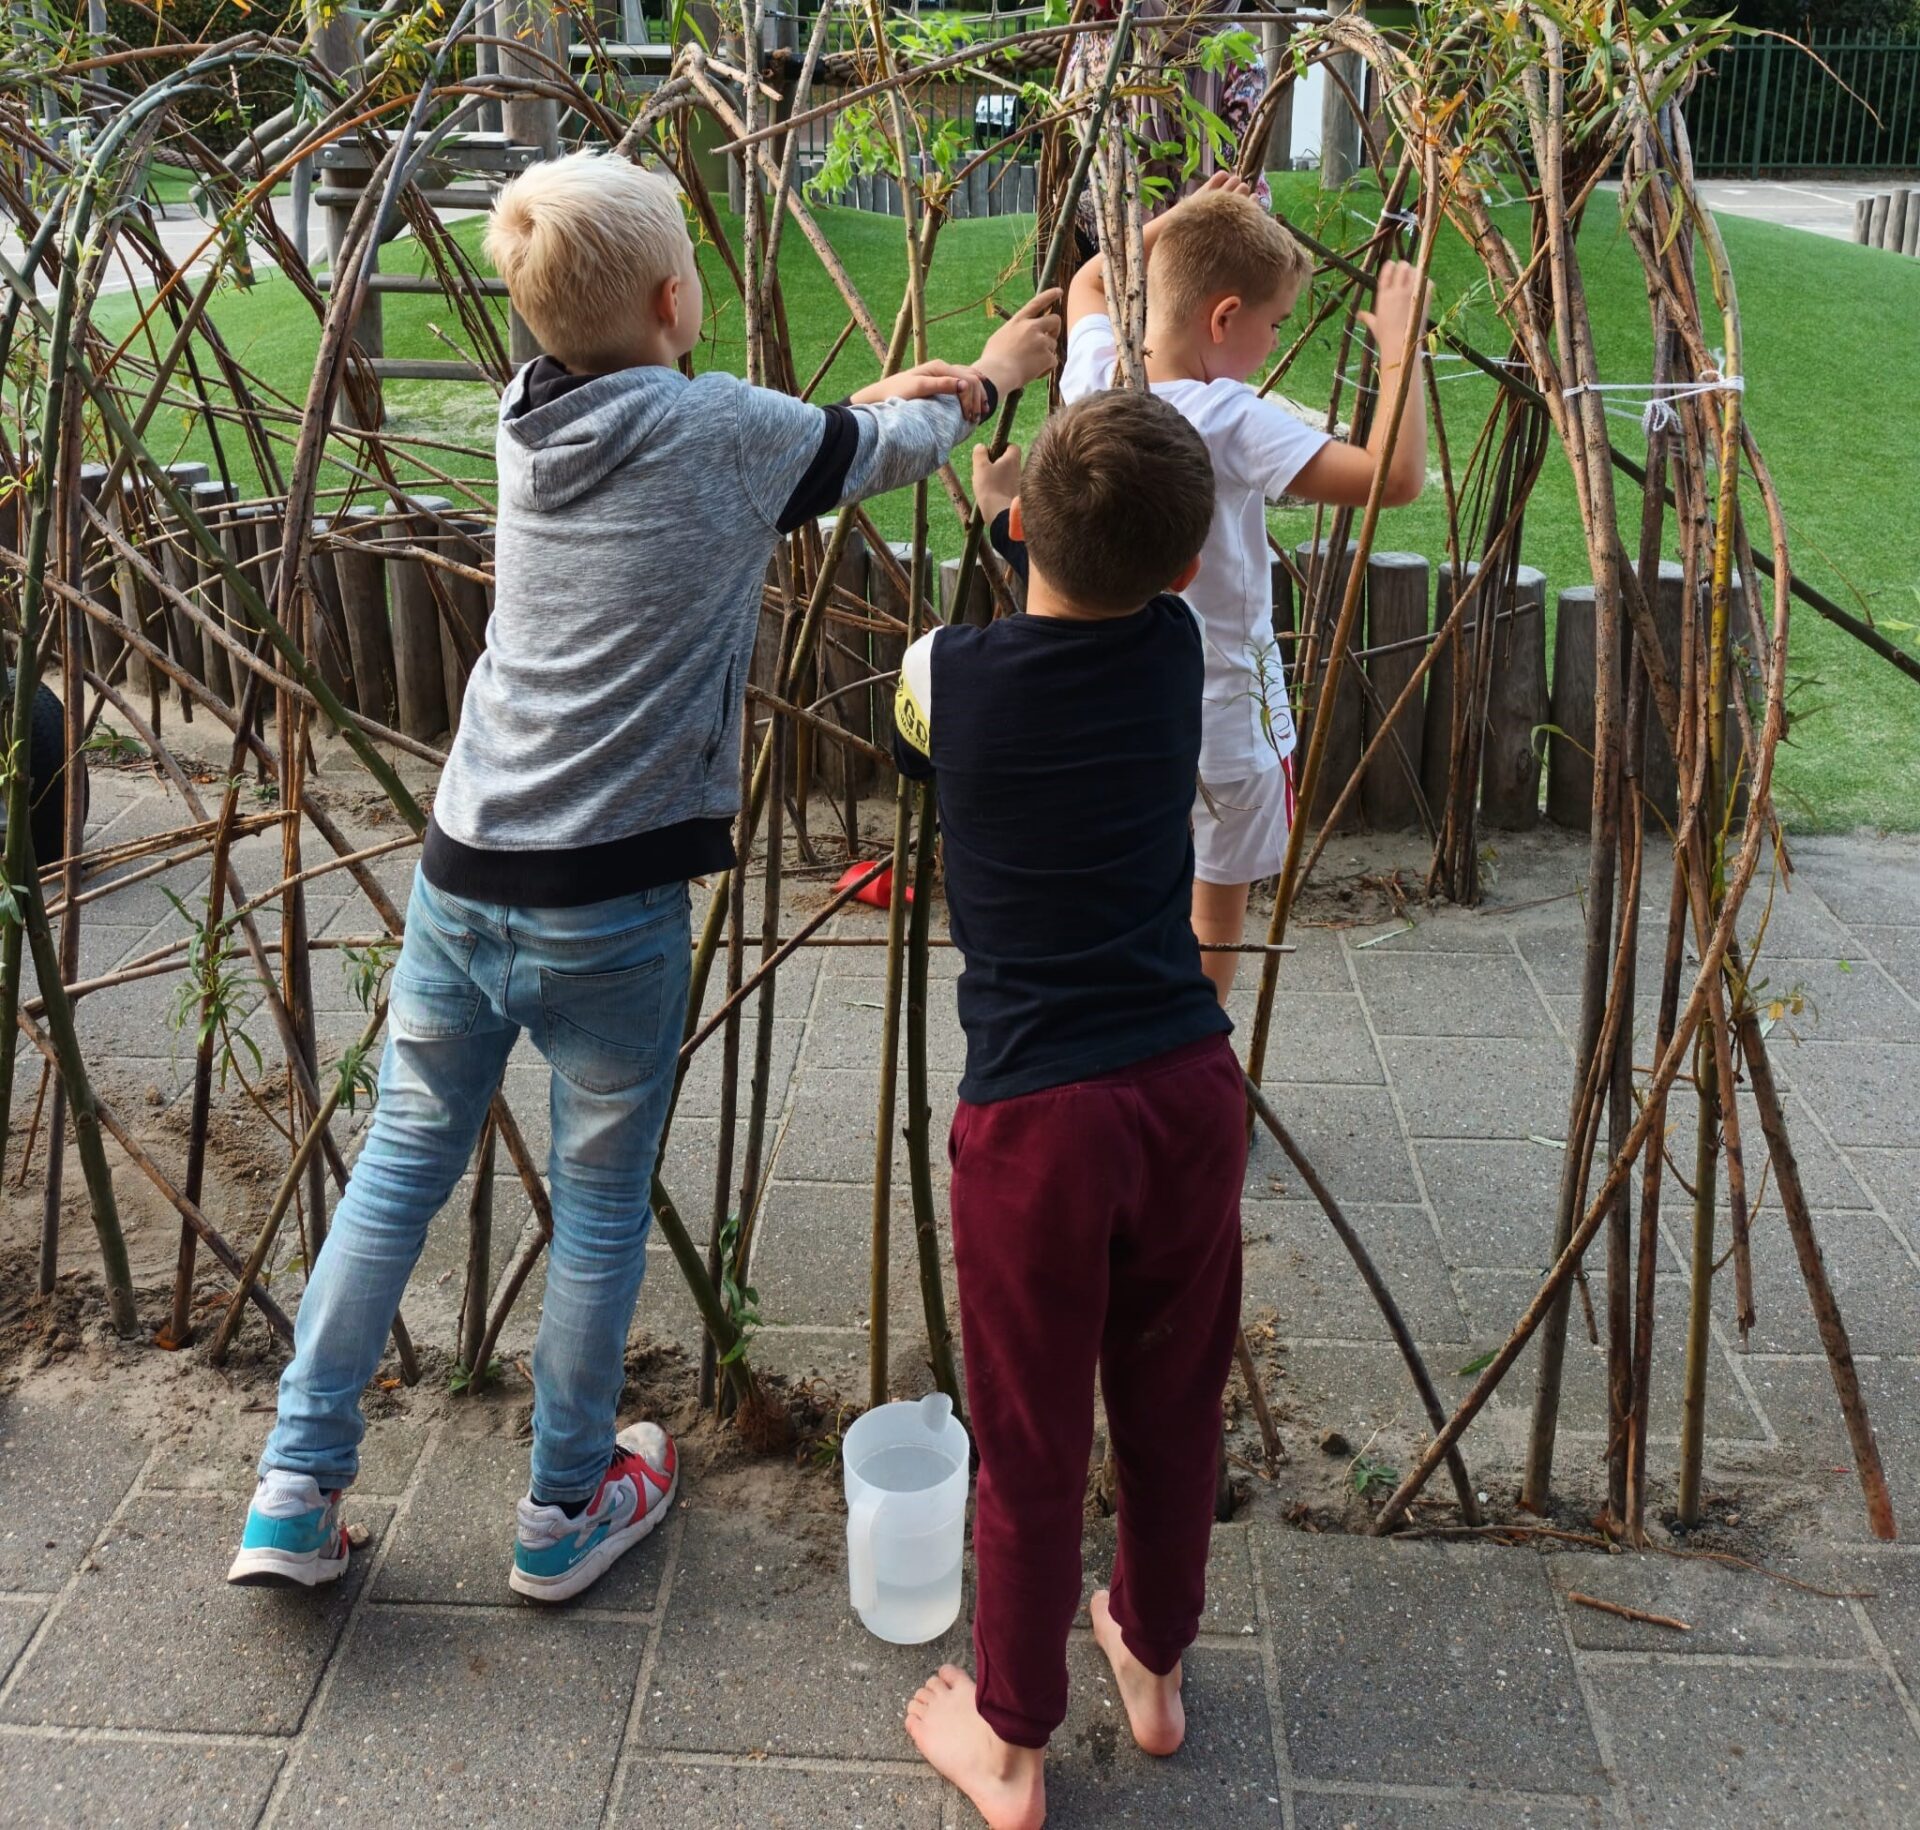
(1833, 395)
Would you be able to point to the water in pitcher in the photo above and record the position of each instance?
(909, 1613)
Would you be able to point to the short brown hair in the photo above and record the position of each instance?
(583, 242)
(1220, 244)
(1116, 497)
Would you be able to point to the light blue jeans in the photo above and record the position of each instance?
(603, 991)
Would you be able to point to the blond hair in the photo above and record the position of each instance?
(1116, 497)
(583, 242)
(1217, 245)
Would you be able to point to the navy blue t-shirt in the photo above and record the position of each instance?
(1064, 757)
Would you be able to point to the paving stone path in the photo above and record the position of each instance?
(718, 1678)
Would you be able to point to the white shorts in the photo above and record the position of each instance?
(1240, 827)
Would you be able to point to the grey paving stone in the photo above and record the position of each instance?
(1874, 1278)
(1799, 1400)
(220, 1454)
(1894, 1178)
(812, 1258)
(1730, 1610)
(1865, 1092)
(1481, 1088)
(1898, 951)
(401, 1737)
(131, 1785)
(68, 1465)
(1231, 1606)
(1450, 994)
(1788, 924)
(1296, 1266)
(153, 1637)
(751, 1598)
(693, 1795)
(1405, 1662)
(700, 1092)
(1355, 1810)
(1366, 1393)
(1320, 1038)
(1862, 879)
(135, 1021)
(1496, 1198)
(1760, 1748)
(1495, 1300)
(831, 1135)
(1317, 963)
(19, 1615)
(849, 1019)
(1224, 1776)
(1351, 1136)
(1840, 1001)
(1827, 1180)
(455, 1542)
(1889, 1579)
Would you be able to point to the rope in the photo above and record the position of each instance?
(1655, 403)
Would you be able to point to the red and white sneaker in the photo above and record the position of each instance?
(555, 1556)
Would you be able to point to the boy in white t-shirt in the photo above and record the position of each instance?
(1222, 275)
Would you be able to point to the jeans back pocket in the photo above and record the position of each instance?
(604, 1028)
(434, 995)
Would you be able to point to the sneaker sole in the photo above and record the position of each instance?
(284, 1569)
(597, 1561)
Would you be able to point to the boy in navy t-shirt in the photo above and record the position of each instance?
(1100, 1142)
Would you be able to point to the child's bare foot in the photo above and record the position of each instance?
(1154, 1711)
(1007, 1784)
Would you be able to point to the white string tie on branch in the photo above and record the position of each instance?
(1653, 407)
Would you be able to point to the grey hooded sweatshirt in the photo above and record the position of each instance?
(599, 744)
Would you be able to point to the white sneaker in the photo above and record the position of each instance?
(556, 1556)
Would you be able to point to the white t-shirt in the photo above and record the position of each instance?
(1257, 448)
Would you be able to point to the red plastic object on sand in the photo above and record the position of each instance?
(876, 895)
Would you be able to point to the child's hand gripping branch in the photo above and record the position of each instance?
(1023, 349)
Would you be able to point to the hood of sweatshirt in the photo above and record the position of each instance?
(561, 434)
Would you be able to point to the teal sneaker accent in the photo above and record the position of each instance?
(555, 1557)
(293, 1536)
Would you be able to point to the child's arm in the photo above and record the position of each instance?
(1341, 474)
(1088, 293)
(996, 481)
(800, 461)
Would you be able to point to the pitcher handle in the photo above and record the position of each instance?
(861, 1579)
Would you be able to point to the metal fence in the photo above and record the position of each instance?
(1838, 105)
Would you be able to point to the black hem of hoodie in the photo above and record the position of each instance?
(571, 877)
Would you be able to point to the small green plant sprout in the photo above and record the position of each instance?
(368, 968)
(1372, 1478)
(461, 1380)
(112, 746)
(209, 998)
(742, 1301)
(357, 1077)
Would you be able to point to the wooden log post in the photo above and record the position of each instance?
(211, 502)
(532, 120)
(1570, 745)
(1659, 782)
(470, 603)
(1274, 37)
(362, 578)
(331, 651)
(1342, 754)
(419, 684)
(1896, 236)
(1518, 704)
(96, 576)
(1910, 242)
(1862, 219)
(139, 601)
(1877, 221)
(1397, 586)
(178, 568)
(1341, 135)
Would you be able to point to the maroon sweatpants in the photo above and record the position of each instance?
(1095, 1224)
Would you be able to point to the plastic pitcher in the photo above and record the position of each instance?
(906, 1478)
